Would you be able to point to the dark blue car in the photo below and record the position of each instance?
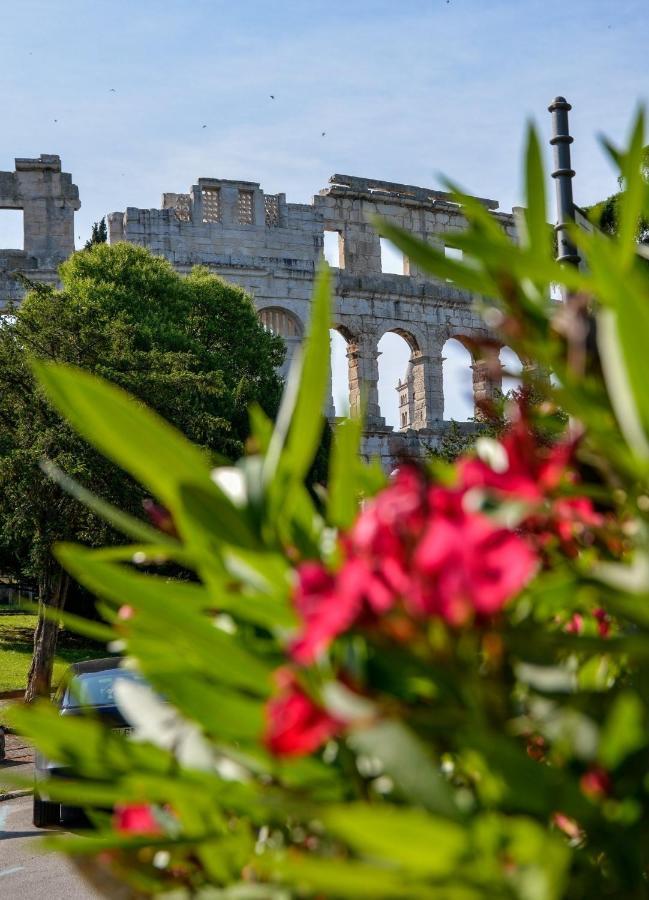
(87, 686)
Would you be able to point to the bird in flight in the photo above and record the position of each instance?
(323, 133)
(272, 96)
(112, 91)
(204, 126)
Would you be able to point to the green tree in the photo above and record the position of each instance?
(99, 234)
(606, 213)
(190, 347)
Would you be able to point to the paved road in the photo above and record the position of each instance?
(26, 873)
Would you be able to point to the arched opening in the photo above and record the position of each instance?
(396, 381)
(339, 373)
(457, 379)
(287, 326)
(512, 370)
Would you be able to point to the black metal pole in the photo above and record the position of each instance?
(563, 175)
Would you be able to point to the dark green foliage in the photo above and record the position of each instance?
(191, 348)
(99, 234)
(605, 214)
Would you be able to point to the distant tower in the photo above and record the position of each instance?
(406, 398)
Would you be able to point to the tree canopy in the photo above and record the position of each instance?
(98, 235)
(190, 347)
(606, 213)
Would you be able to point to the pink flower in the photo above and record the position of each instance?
(531, 470)
(596, 783)
(572, 515)
(569, 826)
(465, 565)
(295, 726)
(575, 625)
(330, 604)
(135, 819)
(603, 622)
(414, 545)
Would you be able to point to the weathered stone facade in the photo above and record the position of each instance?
(48, 200)
(273, 248)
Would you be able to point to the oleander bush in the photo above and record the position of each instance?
(429, 686)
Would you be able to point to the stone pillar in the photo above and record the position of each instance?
(487, 377)
(363, 356)
(292, 342)
(427, 389)
(49, 201)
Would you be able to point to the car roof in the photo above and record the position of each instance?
(95, 665)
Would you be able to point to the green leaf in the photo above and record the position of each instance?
(433, 260)
(340, 879)
(134, 528)
(168, 607)
(409, 838)
(538, 230)
(343, 487)
(307, 420)
(211, 519)
(613, 357)
(406, 760)
(633, 198)
(124, 430)
(624, 731)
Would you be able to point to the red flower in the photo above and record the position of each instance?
(295, 726)
(575, 625)
(571, 516)
(596, 783)
(375, 571)
(529, 470)
(135, 819)
(325, 608)
(465, 564)
(603, 622)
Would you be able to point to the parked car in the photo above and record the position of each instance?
(86, 686)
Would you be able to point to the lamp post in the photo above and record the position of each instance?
(563, 174)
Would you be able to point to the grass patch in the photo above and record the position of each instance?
(17, 643)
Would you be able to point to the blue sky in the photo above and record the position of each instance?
(403, 90)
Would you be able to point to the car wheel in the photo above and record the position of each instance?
(46, 813)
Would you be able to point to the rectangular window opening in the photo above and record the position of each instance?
(211, 204)
(11, 229)
(246, 208)
(392, 260)
(452, 253)
(333, 249)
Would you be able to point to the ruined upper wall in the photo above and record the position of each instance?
(235, 224)
(349, 204)
(221, 222)
(48, 199)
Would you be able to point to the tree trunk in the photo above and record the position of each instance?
(53, 588)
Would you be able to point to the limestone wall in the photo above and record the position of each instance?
(48, 200)
(272, 248)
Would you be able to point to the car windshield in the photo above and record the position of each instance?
(97, 688)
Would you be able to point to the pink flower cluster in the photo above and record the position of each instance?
(422, 551)
(418, 546)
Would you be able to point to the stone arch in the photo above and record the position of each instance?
(458, 377)
(281, 321)
(363, 374)
(288, 326)
(401, 369)
(512, 369)
(339, 340)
